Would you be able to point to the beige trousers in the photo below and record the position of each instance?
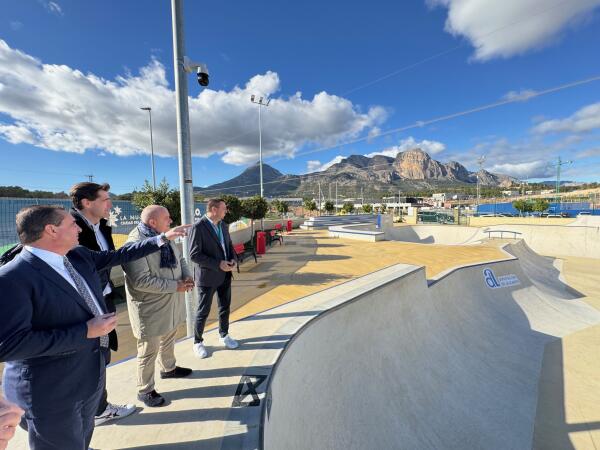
(148, 349)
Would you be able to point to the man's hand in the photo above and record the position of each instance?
(180, 231)
(226, 266)
(185, 285)
(101, 325)
(10, 416)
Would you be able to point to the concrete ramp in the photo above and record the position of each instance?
(543, 271)
(453, 365)
(436, 234)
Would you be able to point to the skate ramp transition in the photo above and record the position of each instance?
(402, 363)
(555, 240)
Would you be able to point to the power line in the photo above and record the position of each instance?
(450, 50)
(422, 123)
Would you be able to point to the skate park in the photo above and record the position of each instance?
(388, 344)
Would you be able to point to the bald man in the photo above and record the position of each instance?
(155, 288)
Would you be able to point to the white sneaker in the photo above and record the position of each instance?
(114, 412)
(229, 342)
(200, 350)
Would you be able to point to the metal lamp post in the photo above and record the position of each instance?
(260, 102)
(147, 108)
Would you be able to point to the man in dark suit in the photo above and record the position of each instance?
(91, 209)
(212, 251)
(54, 326)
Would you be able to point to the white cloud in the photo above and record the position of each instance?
(60, 108)
(524, 170)
(52, 7)
(431, 147)
(589, 153)
(582, 121)
(510, 27)
(316, 166)
(15, 25)
(520, 96)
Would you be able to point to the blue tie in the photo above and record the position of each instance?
(83, 291)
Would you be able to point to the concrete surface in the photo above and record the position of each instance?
(485, 339)
(454, 365)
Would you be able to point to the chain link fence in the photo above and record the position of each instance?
(124, 216)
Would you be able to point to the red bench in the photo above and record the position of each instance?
(241, 251)
(274, 235)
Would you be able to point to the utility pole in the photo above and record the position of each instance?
(480, 161)
(319, 198)
(90, 178)
(336, 198)
(559, 163)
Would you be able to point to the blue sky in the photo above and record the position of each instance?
(342, 75)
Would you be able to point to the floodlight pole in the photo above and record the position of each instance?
(147, 108)
(260, 104)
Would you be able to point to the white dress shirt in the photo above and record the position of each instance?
(102, 243)
(55, 261)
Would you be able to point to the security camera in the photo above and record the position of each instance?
(202, 75)
(200, 68)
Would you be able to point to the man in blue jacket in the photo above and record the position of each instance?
(54, 326)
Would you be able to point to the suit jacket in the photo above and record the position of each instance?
(207, 253)
(155, 307)
(50, 362)
(87, 238)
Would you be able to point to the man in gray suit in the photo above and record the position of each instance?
(212, 251)
(155, 287)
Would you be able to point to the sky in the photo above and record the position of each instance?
(516, 82)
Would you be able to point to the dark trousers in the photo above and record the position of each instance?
(205, 300)
(69, 427)
(104, 397)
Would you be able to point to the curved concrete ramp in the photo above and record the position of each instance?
(454, 365)
(543, 271)
(436, 234)
(555, 240)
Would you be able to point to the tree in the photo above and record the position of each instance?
(281, 207)
(329, 207)
(367, 208)
(234, 208)
(163, 195)
(522, 206)
(540, 205)
(310, 205)
(255, 207)
(348, 207)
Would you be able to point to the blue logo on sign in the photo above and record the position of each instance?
(490, 279)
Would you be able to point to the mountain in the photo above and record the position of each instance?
(410, 170)
(248, 183)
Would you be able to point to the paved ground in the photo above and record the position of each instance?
(200, 414)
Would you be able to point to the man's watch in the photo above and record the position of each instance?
(163, 238)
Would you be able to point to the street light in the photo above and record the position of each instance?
(260, 102)
(147, 108)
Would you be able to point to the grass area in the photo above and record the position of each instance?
(3, 248)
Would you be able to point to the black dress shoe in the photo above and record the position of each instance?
(152, 399)
(177, 372)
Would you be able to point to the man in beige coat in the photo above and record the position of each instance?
(155, 287)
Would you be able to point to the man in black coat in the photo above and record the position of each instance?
(212, 252)
(54, 326)
(91, 209)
